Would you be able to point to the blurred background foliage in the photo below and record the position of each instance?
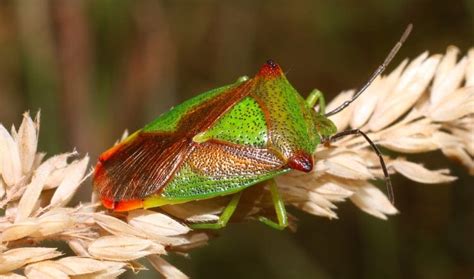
(95, 68)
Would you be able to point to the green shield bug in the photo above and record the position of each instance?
(223, 141)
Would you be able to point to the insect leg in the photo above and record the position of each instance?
(314, 97)
(388, 182)
(279, 209)
(225, 216)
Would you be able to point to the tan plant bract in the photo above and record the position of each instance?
(423, 105)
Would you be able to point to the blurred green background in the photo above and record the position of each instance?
(96, 68)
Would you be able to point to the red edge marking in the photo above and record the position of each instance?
(122, 205)
(270, 69)
(109, 152)
(301, 161)
(116, 205)
(99, 174)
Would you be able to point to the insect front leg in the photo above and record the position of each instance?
(225, 216)
(279, 209)
(314, 97)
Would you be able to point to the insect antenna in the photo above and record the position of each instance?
(377, 72)
(388, 182)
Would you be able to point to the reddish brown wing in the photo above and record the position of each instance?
(139, 167)
(143, 165)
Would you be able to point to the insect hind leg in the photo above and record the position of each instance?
(229, 210)
(279, 209)
(388, 182)
(225, 216)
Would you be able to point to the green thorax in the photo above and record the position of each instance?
(271, 114)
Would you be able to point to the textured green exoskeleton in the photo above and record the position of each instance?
(217, 143)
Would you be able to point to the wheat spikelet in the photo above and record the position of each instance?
(423, 105)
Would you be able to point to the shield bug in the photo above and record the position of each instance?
(223, 141)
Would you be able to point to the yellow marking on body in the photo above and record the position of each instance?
(156, 201)
(201, 137)
(131, 137)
